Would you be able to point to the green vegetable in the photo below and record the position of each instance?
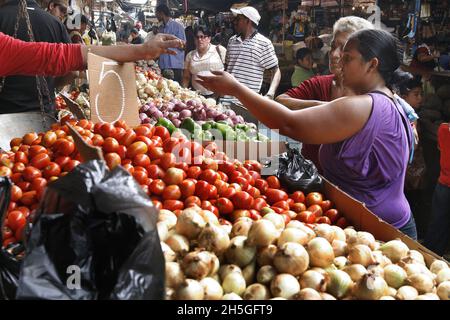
(243, 127)
(190, 125)
(207, 136)
(167, 124)
(242, 137)
(206, 126)
(223, 128)
(262, 137)
(230, 135)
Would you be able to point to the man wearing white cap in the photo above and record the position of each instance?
(249, 53)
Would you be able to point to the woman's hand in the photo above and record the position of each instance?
(220, 82)
(161, 44)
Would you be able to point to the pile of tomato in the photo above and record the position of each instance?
(174, 171)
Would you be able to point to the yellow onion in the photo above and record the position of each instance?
(414, 268)
(163, 230)
(406, 293)
(256, 291)
(227, 227)
(360, 254)
(443, 290)
(198, 264)
(387, 298)
(226, 269)
(394, 275)
(391, 292)
(320, 252)
(168, 217)
(308, 294)
(239, 252)
(422, 282)
(212, 289)
(376, 270)
(326, 296)
(350, 232)
(190, 290)
(249, 273)
(443, 275)
(362, 237)
(277, 220)
(437, 266)
(214, 238)
(324, 231)
(380, 259)
(340, 262)
(370, 287)
(292, 258)
(301, 226)
(285, 286)
(395, 250)
(178, 243)
(266, 254)
(339, 234)
(355, 271)
(231, 296)
(339, 248)
(169, 254)
(262, 233)
(174, 275)
(234, 282)
(339, 283)
(314, 280)
(210, 217)
(190, 223)
(241, 227)
(266, 274)
(292, 235)
(414, 256)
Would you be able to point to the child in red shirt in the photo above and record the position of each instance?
(438, 234)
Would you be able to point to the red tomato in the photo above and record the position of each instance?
(39, 185)
(7, 232)
(35, 150)
(30, 173)
(62, 161)
(128, 138)
(209, 176)
(187, 188)
(202, 190)
(281, 204)
(290, 202)
(209, 163)
(170, 144)
(147, 141)
(242, 200)
(71, 165)
(16, 219)
(157, 187)
(122, 152)
(261, 185)
(64, 147)
(313, 198)
(277, 210)
(135, 148)
(168, 160)
(306, 217)
(51, 170)
(323, 219)
(29, 138)
(162, 132)
(225, 206)
(236, 214)
(273, 182)
(171, 192)
(5, 171)
(206, 205)
(250, 179)
(110, 145)
(342, 223)
(174, 176)
(173, 205)
(107, 130)
(24, 185)
(8, 241)
(157, 141)
(298, 196)
(20, 156)
(155, 171)
(259, 203)
(143, 131)
(155, 153)
(158, 205)
(227, 167)
(275, 195)
(333, 214)
(291, 214)
(140, 176)
(12, 206)
(15, 142)
(286, 218)
(326, 205)
(254, 192)
(16, 193)
(194, 172)
(24, 210)
(16, 177)
(298, 207)
(141, 160)
(192, 201)
(242, 182)
(121, 124)
(316, 209)
(40, 161)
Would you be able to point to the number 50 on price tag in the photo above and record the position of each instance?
(112, 90)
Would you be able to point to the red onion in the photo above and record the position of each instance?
(143, 116)
(144, 108)
(185, 114)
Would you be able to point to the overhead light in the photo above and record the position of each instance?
(353, 8)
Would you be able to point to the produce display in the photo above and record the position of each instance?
(226, 231)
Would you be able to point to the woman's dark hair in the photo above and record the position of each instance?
(163, 9)
(382, 45)
(405, 82)
(302, 53)
(203, 30)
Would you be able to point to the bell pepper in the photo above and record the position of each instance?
(167, 124)
(190, 125)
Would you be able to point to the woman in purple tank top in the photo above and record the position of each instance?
(366, 138)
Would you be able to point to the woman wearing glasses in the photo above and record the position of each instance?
(206, 57)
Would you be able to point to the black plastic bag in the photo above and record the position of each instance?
(9, 265)
(297, 173)
(94, 237)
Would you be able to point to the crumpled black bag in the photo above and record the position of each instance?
(98, 224)
(297, 173)
(9, 265)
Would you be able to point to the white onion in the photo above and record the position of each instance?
(197, 264)
(339, 284)
(292, 258)
(340, 262)
(414, 268)
(350, 232)
(308, 294)
(427, 296)
(395, 250)
(391, 292)
(214, 238)
(443, 275)
(326, 296)
(212, 289)
(239, 252)
(231, 296)
(266, 254)
(234, 282)
(262, 233)
(314, 280)
(178, 243)
(226, 269)
(190, 290)
(376, 270)
(163, 230)
(168, 217)
(394, 275)
(249, 273)
(370, 287)
(339, 234)
(320, 252)
(360, 254)
(209, 217)
(215, 265)
(170, 294)
(292, 235)
(241, 228)
(437, 266)
(266, 274)
(387, 298)
(276, 219)
(339, 248)
(355, 271)
(285, 286)
(256, 291)
(324, 231)
(190, 223)
(362, 237)
(422, 282)
(380, 259)
(415, 256)
(169, 254)
(174, 274)
(443, 290)
(301, 226)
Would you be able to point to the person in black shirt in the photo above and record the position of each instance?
(19, 93)
(136, 38)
